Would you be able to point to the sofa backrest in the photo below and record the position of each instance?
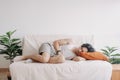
(31, 43)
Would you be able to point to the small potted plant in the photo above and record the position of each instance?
(114, 58)
(11, 46)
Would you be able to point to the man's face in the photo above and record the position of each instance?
(84, 49)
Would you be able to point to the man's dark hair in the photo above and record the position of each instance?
(89, 47)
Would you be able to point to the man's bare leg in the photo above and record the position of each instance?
(44, 58)
(57, 59)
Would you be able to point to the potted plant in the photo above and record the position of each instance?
(11, 45)
(114, 58)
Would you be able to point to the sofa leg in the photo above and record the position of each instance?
(8, 76)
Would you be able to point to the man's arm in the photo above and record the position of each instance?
(61, 42)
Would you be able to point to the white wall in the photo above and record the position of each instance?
(98, 17)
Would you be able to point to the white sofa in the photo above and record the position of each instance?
(70, 70)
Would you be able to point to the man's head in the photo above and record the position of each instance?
(87, 48)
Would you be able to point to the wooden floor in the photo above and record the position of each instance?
(115, 72)
(3, 74)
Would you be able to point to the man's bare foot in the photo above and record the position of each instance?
(18, 58)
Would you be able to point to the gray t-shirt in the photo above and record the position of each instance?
(68, 53)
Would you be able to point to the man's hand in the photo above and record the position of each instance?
(78, 58)
(65, 41)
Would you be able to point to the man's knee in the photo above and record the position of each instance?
(44, 60)
(45, 57)
(61, 59)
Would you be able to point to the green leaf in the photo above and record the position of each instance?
(105, 52)
(2, 36)
(7, 57)
(115, 55)
(3, 51)
(9, 34)
(19, 51)
(16, 43)
(115, 61)
(15, 39)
